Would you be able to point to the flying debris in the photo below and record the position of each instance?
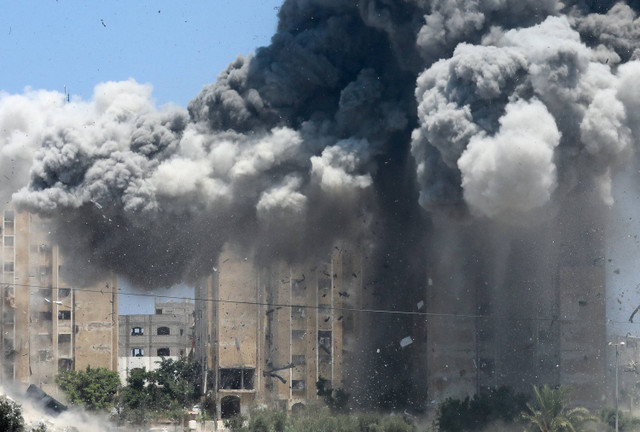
(406, 342)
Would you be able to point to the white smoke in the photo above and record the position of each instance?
(508, 175)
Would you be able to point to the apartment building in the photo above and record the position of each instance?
(49, 325)
(144, 339)
(269, 334)
(522, 312)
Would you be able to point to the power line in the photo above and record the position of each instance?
(326, 307)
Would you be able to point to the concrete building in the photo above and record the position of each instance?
(528, 310)
(267, 335)
(144, 339)
(49, 325)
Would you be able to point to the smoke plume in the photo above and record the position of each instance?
(360, 121)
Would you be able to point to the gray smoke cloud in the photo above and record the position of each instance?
(360, 121)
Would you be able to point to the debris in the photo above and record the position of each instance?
(430, 282)
(344, 294)
(354, 275)
(420, 304)
(225, 261)
(270, 311)
(340, 317)
(635, 311)
(406, 342)
(103, 24)
(582, 302)
(617, 271)
(97, 204)
(327, 319)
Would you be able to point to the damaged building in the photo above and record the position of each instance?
(524, 309)
(268, 334)
(49, 325)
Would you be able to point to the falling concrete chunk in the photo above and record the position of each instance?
(406, 342)
(430, 282)
(420, 304)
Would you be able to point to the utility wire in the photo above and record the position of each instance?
(323, 307)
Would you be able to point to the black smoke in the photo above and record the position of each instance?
(362, 121)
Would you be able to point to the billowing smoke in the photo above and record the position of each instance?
(360, 121)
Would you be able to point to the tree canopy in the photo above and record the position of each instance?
(93, 388)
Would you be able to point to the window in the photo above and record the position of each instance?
(163, 352)
(45, 316)
(298, 312)
(297, 385)
(8, 266)
(181, 332)
(158, 311)
(137, 331)
(64, 338)
(298, 334)
(64, 315)
(137, 352)
(65, 364)
(324, 341)
(44, 355)
(298, 359)
(236, 378)
(64, 292)
(8, 241)
(8, 216)
(164, 331)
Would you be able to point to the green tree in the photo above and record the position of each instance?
(10, 416)
(93, 388)
(550, 414)
(469, 414)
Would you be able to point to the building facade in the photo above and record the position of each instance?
(49, 325)
(144, 339)
(524, 309)
(267, 335)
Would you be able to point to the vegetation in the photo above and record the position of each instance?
(550, 413)
(626, 423)
(10, 416)
(95, 389)
(167, 392)
(502, 404)
(318, 419)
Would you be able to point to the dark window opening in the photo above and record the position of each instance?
(64, 338)
(229, 407)
(45, 316)
(164, 331)
(137, 352)
(158, 311)
(297, 385)
(8, 266)
(9, 216)
(164, 352)
(65, 364)
(236, 379)
(181, 332)
(64, 292)
(64, 315)
(137, 331)
(324, 341)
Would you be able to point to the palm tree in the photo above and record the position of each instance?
(550, 414)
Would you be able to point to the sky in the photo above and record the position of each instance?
(177, 47)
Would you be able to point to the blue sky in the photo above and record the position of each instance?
(177, 46)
